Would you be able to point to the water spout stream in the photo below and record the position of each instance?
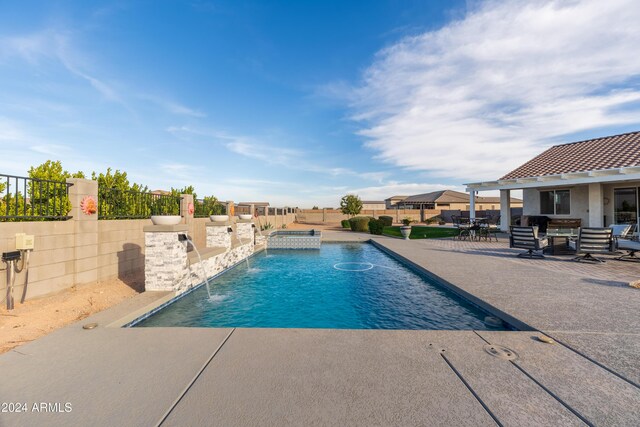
(204, 272)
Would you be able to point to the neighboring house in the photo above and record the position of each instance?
(393, 200)
(452, 200)
(373, 205)
(596, 180)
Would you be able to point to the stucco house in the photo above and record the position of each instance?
(393, 200)
(596, 181)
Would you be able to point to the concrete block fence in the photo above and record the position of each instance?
(334, 216)
(83, 250)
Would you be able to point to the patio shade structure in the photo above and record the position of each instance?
(596, 180)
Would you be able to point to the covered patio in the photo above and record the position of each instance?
(595, 181)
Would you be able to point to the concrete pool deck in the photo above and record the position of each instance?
(200, 376)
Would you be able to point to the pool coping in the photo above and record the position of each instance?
(485, 306)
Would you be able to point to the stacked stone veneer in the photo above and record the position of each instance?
(218, 235)
(244, 230)
(166, 262)
(167, 266)
(213, 266)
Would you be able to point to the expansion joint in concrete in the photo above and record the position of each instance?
(195, 378)
(468, 386)
(606, 368)
(552, 394)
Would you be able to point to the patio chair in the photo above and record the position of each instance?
(527, 238)
(463, 225)
(620, 231)
(594, 241)
(487, 229)
(631, 246)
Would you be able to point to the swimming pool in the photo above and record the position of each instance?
(341, 286)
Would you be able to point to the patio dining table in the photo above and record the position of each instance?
(559, 239)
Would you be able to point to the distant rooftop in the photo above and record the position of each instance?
(609, 152)
(450, 196)
(373, 202)
(254, 203)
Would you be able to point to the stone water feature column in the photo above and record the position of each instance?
(165, 262)
(218, 235)
(244, 230)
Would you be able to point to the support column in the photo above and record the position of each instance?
(244, 230)
(165, 262)
(218, 235)
(472, 205)
(505, 210)
(186, 212)
(596, 208)
(85, 261)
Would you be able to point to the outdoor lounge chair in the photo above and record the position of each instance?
(594, 241)
(527, 238)
(620, 231)
(631, 246)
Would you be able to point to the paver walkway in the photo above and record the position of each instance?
(207, 376)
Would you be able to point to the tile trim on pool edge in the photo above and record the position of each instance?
(485, 306)
(150, 313)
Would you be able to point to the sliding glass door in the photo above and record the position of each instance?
(625, 205)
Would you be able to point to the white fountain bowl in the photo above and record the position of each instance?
(219, 218)
(245, 216)
(166, 219)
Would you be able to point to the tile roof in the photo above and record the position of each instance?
(609, 152)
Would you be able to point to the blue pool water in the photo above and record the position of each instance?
(341, 286)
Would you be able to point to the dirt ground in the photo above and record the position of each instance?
(38, 317)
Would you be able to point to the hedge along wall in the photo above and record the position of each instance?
(82, 250)
(334, 216)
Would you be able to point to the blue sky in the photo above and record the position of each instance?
(300, 102)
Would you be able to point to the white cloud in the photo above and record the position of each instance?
(173, 107)
(50, 149)
(481, 95)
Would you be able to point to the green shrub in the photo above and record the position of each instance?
(345, 223)
(386, 220)
(433, 220)
(359, 223)
(407, 221)
(376, 226)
